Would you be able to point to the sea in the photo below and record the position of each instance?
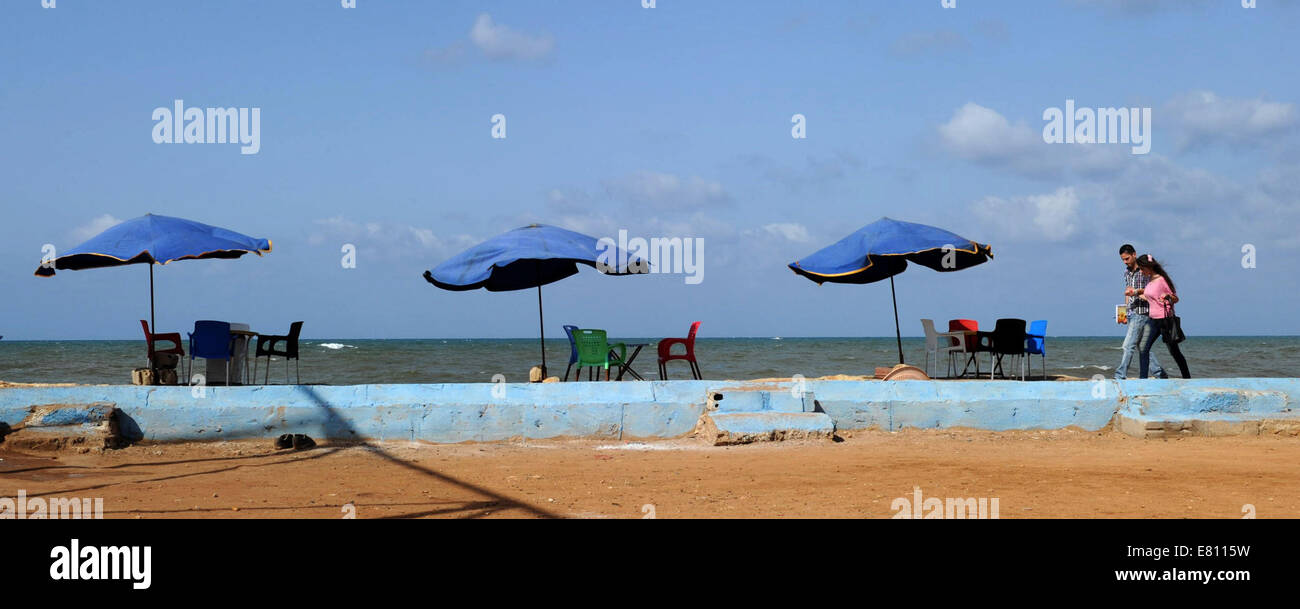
(358, 361)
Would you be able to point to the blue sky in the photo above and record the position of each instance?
(673, 121)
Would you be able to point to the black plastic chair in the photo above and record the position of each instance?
(1007, 338)
(267, 346)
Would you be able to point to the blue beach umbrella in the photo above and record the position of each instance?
(152, 239)
(524, 258)
(883, 248)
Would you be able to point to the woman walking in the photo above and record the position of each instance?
(1161, 295)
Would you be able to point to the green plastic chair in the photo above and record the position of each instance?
(594, 352)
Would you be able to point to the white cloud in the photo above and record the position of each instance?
(1046, 217)
(94, 227)
(497, 41)
(389, 240)
(983, 136)
(980, 134)
(789, 231)
(666, 190)
(1203, 116)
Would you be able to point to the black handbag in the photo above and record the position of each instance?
(1172, 329)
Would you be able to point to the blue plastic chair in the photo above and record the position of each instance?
(1036, 342)
(573, 350)
(211, 340)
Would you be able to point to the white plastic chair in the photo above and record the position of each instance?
(937, 343)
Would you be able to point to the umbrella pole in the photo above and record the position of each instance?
(541, 325)
(898, 334)
(153, 325)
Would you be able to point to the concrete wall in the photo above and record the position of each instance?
(645, 410)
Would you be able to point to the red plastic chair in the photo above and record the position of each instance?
(971, 345)
(666, 355)
(151, 338)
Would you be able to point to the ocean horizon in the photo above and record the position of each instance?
(349, 361)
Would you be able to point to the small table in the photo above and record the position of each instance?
(626, 366)
(216, 368)
(972, 341)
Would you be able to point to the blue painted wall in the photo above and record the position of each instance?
(487, 412)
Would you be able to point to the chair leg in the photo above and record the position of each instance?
(297, 373)
(695, 368)
(566, 371)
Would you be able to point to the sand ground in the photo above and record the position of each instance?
(1046, 474)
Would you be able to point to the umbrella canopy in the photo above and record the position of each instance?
(883, 248)
(155, 240)
(152, 239)
(524, 258)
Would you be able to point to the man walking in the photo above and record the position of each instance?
(1134, 283)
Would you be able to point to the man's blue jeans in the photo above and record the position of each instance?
(1135, 338)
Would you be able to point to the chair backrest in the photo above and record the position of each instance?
(210, 339)
(690, 338)
(573, 346)
(1009, 336)
(1035, 345)
(593, 347)
(966, 325)
(148, 338)
(931, 336)
(295, 330)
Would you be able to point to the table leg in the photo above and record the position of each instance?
(626, 366)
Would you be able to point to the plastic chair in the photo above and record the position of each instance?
(266, 346)
(1036, 342)
(573, 350)
(594, 351)
(150, 339)
(1007, 338)
(666, 353)
(211, 340)
(951, 341)
(970, 343)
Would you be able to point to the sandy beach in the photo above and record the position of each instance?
(1043, 474)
